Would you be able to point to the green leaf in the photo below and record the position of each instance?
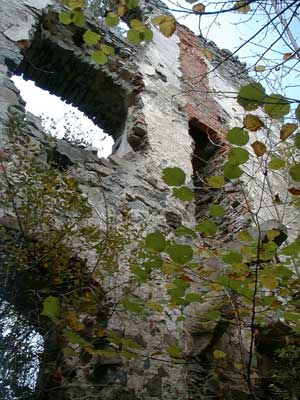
(51, 308)
(292, 249)
(295, 172)
(245, 236)
(208, 227)
(297, 112)
(216, 210)
(99, 57)
(111, 19)
(276, 106)
(141, 274)
(218, 354)
(297, 141)
(212, 315)
(131, 4)
(154, 262)
(232, 257)
(194, 298)
(269, 282)
(132, 306)
(65, 17)
(134, 37)
(216, 181)
(74, 4)
(238, 136)
(147, 35)
(180, 253)
(183, 193)
(75, 338)
(173, 176)
(137, 25)
(276, 163)
(184, 231)
(232, 171)
(78, 18)
(292, 316)
(156, 241)
(108, 50)
(175, 351)
(251, 96)
(238, 156)
(91, 38)
(68, 352)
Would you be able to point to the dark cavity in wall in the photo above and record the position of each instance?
(57, 67)
(204, 151)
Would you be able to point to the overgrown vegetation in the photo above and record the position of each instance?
(80, 273)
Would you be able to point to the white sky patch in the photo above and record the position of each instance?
(40, 102)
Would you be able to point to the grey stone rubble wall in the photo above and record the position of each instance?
(134, 178)
(142, 111)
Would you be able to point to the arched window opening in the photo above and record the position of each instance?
(20, 348)
(62, 120)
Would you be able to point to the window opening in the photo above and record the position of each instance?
(20, 348)
(204, 150)
(63, 120)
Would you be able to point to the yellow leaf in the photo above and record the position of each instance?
(252, 122)
(158, 19)
(168, 28)
(259, 68)
(122, 10)
(269, 282)
(276, 303)
(288, 56)
(238, 365)
(286, 130)
(207, 53)
(152, 305)
(272, 234)
(259, 148)
(219, 354)
(199, 8)
(100, 332)
(74, 322)
(170, 269)
(216, 287)
(242, 6)
(294, 191)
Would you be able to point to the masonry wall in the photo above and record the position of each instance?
(145, 98)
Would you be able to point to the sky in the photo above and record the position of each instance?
(226, 30)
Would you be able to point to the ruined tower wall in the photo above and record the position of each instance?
(147, 98)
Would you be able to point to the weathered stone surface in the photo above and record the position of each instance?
(140, 97)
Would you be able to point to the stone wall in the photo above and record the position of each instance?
(158, 104)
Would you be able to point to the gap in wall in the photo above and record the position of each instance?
(204, 151)
(63, 120)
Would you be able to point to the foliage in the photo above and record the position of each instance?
(259, 278)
